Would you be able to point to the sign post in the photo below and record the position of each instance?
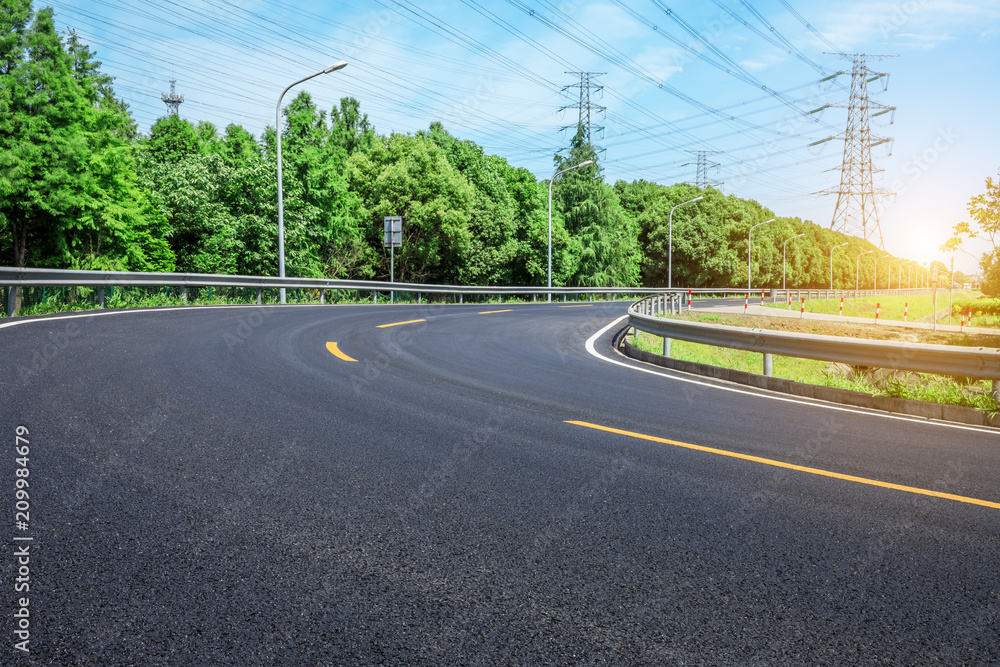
(392, 238)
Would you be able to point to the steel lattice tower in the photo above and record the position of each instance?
(172, 99)
(587, 111)
(856, 213)
(703, 165)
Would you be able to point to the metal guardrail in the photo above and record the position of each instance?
(32, 277)
(981, 363)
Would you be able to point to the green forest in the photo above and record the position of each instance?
(82, 188)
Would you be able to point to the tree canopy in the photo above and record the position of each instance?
(80, 187)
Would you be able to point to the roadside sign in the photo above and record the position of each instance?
(392, 236)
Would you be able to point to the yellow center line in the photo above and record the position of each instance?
(396, 324)
(792, 466)
(583, 305)
(487, 312)
(336, 351)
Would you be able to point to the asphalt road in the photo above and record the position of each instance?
(214, 486)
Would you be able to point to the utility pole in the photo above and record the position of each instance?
(856, 212)
(587, 110)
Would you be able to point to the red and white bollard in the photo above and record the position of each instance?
(877, 306)
(970, 317)
(762, 297)
(841, 306)
(689, 300)
(789, 301)
(746, 304)
(802, 313)
(906, 310)
(961, 325)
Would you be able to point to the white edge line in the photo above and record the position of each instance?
(771, 396)
(72, 316)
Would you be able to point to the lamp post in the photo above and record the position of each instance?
(857, 267)
(889, 286)
(783, 258)
(875, 283)
(750, 249)
(670, 242)
(552, 180)
(831, 262)
(281, 206)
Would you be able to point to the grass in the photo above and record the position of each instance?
(849, 329)
(890, 307)
(877, 382)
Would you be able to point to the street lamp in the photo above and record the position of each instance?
(898, 271)
(831, 262)
(281, 206)
(856, 268)
(582, 164)
(875, 283)
(670, 242)
(783, 258)
(750, 249)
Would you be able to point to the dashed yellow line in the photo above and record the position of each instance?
(583, 305)
(487, 312)
(792, 466)
(396, 324)
(336, 351)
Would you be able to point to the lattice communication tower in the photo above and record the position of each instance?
(172, 99)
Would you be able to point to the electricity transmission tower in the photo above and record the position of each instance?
(703, 165)
(856, 212)
(588, 111)
(172, 99)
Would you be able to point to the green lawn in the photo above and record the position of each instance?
(890, 307)
(878, 382)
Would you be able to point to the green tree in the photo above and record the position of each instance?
(606, 237)
(984, 210)
(172, 138)
(43, 150)
(410, 176)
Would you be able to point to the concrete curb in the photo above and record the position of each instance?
(952, 413)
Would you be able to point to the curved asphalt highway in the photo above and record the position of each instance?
(215, 486)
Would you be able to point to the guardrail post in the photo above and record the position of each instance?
(374, 296)
(666, 347)
(258, 295)
(100, 296)
(418, 297)
(996, 391)
(460, 298)
(767, 364)
(184, 295)
(322, 297)
(12, 301)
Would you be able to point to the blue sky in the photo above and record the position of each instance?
(729, 76)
